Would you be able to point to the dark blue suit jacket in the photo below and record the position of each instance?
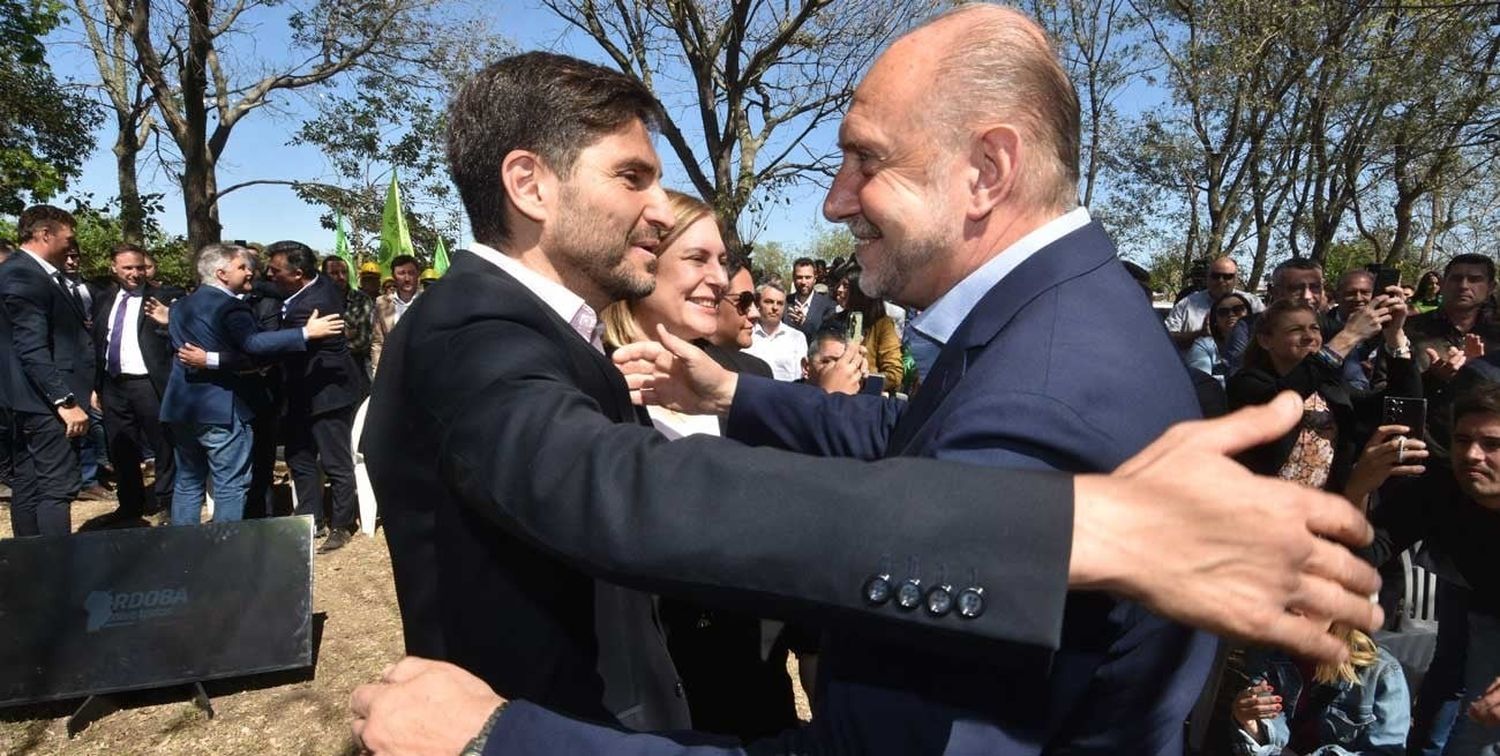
(218, 321)
(326, 377)
(819, 308)
(45, 350)
(1061, 365)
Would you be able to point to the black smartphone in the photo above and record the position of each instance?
(874, 384)
(1408, 411)
(1385, 277)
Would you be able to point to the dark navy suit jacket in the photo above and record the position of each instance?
(326, 377)
(44, 348)
(1061, 365)
(219, 322)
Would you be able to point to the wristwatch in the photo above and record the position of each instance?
(67, 402)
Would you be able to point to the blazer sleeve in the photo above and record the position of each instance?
(716, 522)
(885, 356)
(526, 729)
(803, 418)
(246, 337)
(26, 304)
(377, 336)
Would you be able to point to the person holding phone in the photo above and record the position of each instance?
(1361, 706)
(1288, 352)
(877, 332)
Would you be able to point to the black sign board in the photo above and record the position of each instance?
(116, 610)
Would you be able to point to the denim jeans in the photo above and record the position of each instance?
(205, 452)
(1481, 667)
(1442, 691)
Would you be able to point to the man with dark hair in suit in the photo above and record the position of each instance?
(324, 387)
(48, 374)
(806, 309)
(210, 408)
(134, 357)
(518, 479)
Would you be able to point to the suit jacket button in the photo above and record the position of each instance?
(877, 590)
(678, 689)
(970, 602)
(909, 595)
(939, 600)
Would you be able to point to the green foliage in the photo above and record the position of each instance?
(46, 127)
(829, 243)
(770, 259)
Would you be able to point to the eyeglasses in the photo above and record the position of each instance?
(1236, 310)
(1223, 276)
(741, 301)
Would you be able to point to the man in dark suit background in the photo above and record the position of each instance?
(48, 372)
(324, 387)
(806, 309)
(507, 456)
(134, 358)
(211, 407)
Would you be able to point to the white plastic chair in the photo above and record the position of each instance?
(366, 492)
(1420, 594)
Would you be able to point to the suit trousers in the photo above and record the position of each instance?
(7, 440)
(131, 412)
(323, 440)
(45, 478)
(259, 501)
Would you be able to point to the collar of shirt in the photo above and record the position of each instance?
(939, 321)
(223, 288)
(288, 301)
(568, 306)
(48, 268)
(780, 329)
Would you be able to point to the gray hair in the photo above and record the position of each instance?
(771, 282)
(214, 258)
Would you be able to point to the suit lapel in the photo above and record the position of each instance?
(1075, 254)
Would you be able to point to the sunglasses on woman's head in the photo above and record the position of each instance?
(1232, 310)
(741, 301)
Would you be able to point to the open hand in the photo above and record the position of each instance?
(1442, 367)
(847, 374)
(1392, 451)
(1486, 709)
(158, 312)
(1267, 565)
(192, 356)
(674, 374)
(324, 326)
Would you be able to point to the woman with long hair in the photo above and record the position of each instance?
(1429, 291)
(1360, 706)
(1206, 351)
(1287, 353)
(732, 689)
(879, 338)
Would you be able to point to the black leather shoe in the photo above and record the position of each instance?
(321, 532)
(338, 539)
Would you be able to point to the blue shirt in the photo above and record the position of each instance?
(929, 331)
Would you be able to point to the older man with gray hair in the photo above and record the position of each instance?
(209, 408)
(780, 345)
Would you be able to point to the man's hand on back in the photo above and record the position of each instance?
(1197, 538)
(324, 326)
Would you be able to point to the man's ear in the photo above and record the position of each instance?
(529, 184)
(997, 154)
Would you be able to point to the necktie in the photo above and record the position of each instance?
(67, 287)
(116, 335)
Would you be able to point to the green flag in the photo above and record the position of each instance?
(341, 247)
(440, 257)
(395, 238)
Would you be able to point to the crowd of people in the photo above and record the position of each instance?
(960, 476)
(196, 387)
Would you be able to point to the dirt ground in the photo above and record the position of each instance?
(282, 713)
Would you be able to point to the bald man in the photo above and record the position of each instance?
(959, 184)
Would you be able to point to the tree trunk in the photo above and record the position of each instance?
(132, 214)
(198, 185)
(1402, 237)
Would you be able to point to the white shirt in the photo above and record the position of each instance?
(132, 362)
(783, 350)
(402, 306)
(1189, 315)
(48, 268)
(568, 306)
(937, 323)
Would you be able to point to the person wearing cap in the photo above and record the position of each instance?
(427, 277)
(369, 280)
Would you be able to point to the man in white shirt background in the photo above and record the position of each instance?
(780, 345)
(1186, 320)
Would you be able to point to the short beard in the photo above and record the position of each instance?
(901, 265)
(595, 257)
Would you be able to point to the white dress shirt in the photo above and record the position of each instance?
(401, 305)
(782, 350)
(568, 306)
(132, 362)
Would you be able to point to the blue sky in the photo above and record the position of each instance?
(258, 147)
